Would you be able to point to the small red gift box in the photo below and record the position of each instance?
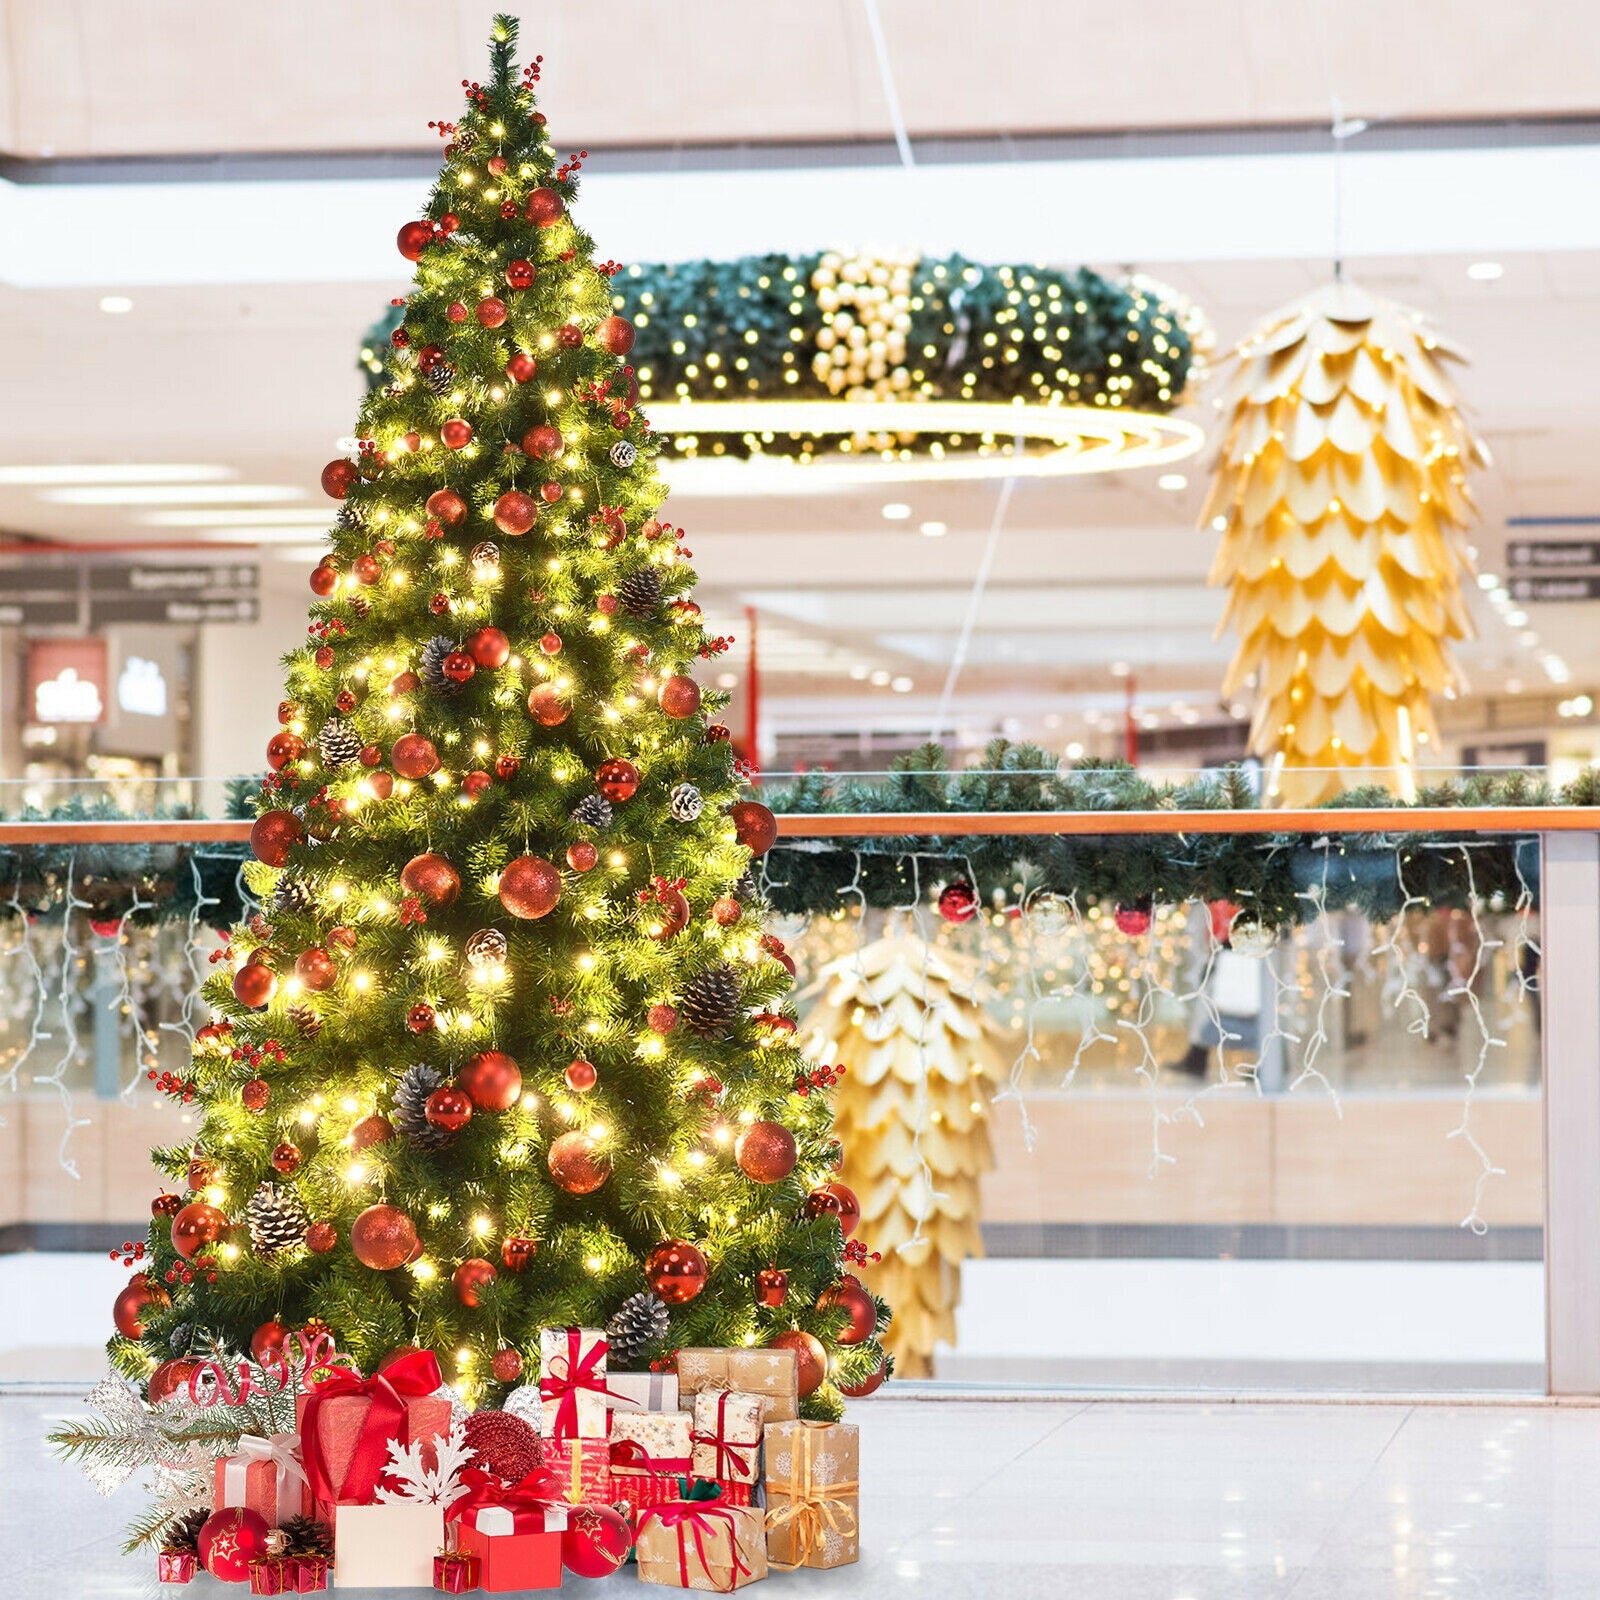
(272, 1575)
(264, 1476)
(582, 1467)
(310, 1574)
(455, 1572)
(514, 1529)
(176, 1566)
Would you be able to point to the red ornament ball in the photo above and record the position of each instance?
(576, 1163)
(529, 887)
(581, 855)
(420, 1018)
(230, 1540)
(321, 1237)
(491, 311)
(469, 1278)
(1133, 920)
(492, 1080)
(679, 696)
(516, 1251)
(403, 682)
(166, 1205)
(456, 434)
(168, 1379)
(273, 835)
(821, 1203)
(458, 666)
(726, 911)
(545, 207)
(439, 603)
(413, 239)
(254, 983)
(496, 165)
(447, 507)
(315, 968)
(551, 492)
(202, 1172)
(547, 706)
(383, 1237)
(366, 570)
(616, 335)
(429, 356)
(338, 478)
(137, 1298)
(958, 902)
(522, 367)
(772, 1286)
(324, 579)
(580, 1076)
(766, 1152)
(506, 767)
(542, 442)
(489, 647)
(507, 1368)
(448, 1108)
(858, 1305)
(515, 512)
(381, 785)
(412, 755)
(267, 1341)
(476, 783)
(606, 605)
(456, 311)
(662, 1018)
(288, 712)
(669, 916)
(196, 1227)
(286, 1158)
(255, 1094)
(676, 1270)
(569, 336)
(859, 1391)
(813, 1358)
(376, 1129)
(617, 780)
(849, 1206)
(520, 274)
(755, 826)
(432, 878)
(596, 1541)
(550, 644)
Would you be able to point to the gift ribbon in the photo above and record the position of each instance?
(812, 1508)
(700, 1517)
(414, 1375)
(729, 1462)
(210, 1383)
(529, 1502)
(632, 1456)
(583, 1372)
(281, 1449)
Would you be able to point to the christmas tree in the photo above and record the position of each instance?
(504, 1047)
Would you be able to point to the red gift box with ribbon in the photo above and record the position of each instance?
(264, 1476)
(176, 1566)
(347, 1422)
(582, 1470)
(272, 1575)
(455, 1573)
(701, 1544)
(310, 1574)
(514, 1530)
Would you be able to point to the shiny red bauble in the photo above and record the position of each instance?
(766, 1152)
(376, 1129)
(166, 1205)
(458, 666)
(545, 207)
(476, 783)
(286, 1158)
(324, 657)
(489, 648)
(617, 780)
(547, 706)
(492, 1080)
(1133, 920)
(455, 434)
(542, 442)
(267, 1341)
(342, 937)
(448, 1108)
(230, 1540)
(202, 1172)
(596, 1540)
(456, 311)
(506, 1365)
(519, 274)
(676, 1270)
(447, 507)
(429, 356)
(550, 644)
(381, 785)
(413, 756)
(506, 767)
(551, 492)
(432, 877)
(772, 1286)
(813, 1358)
(383, 1237)
(580, 1076)
(522, 367)
(515, 512)
(413, 239)
(679, 696)
(273, 835)
(822, 1203)
(581, 855)
(871, 1385)
(324, 579)
(254, 984)
(469, 1278)
(849, 1207)
(284, 747)
(195, 1227)
(529, 887)
(321, 1237)
(168, 1379)
(403, 682)
(576, 1163)
(137, 1298)
(254, 1095)
(517, 1251)
(365, 570)
(616, 335)
(755, 826)
(288, 712)
(491, 312)
(315, 968)
(420, 1018)
(338, 478)
(859, 1307)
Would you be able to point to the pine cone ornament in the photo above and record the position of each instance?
(593, 811)
(410, 1114)
(486, 554)
(306, 1020)
(339, 743)
(639, 1323)
(441, 377)
(307, 1536)
(181, 1340)
(431, 667)
(623, 454)
(639, 593)
(182, 1535)
(747, 889)
(352, 517)
(687, 803)
(292, 894)
(276, 1219)
(710, 1001)
(486, 948)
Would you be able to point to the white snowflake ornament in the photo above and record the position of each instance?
(409, 1480)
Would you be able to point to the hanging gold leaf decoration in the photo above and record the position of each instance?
(1341, 495)
(912, 1114)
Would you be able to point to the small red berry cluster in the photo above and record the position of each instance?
(477, 94)
(169, 1083)
(569, 168)
(609, 269)
(129, 1253)
(445, 130)
(776, 1020)
(326, 627)
(184, 1272)
(720, 645)
(411, 910)
(857, 1252)
(255, 1054)
(660, 888)
(530, 72)
(818, 1078)
(275, 781)
(706, 1088)
(743, 769)
(223, 952)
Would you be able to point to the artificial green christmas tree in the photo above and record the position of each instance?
(504, 1046)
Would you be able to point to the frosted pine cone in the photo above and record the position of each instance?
(639, 1323)
(410, 1116)
(593, 811)
(338, 743)
(276, 1219)
(687, 803)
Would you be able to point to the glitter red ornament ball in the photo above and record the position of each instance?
(273, 835)
(755, 826)
(456, 434)
(581, 855)
(413, 239)
(522, 367)
(595, 1541)
(580, 1076)
(515, 512)
(491, 311)
(321, 1237)
(813, 1358)
(506, 1367)
(324, 579)
(137, 1298)
(662, 1018)
(517, 1251)
(286, 1158)
(420, 1018)
(766, 1152)
(456, 311)
(520, 274)
(726, 911)
(447, 507)
(576, 1163)
(492, 1080)
(545, 207)
(413, 756)
(542, 442)
(529, 887)
(195, 1227)
(383, 1237)
(615, 334)
(551, 492)
(476, 783)
(617, 780)
(338, 478)
(679, 696)
(448, 1108)
(432, 877)
(254, 1095)
(315, 968)
(369, 1131)
(1133, 920)
(548, 707)
(469, 1278)
(254, 984)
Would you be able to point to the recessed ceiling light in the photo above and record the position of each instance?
(1219, 524)
(1516, 619)
(155, 494)
(115, 304)
(110, 472)
(896, 511)
(880, 677)
(1120, 669)
(902, 685)
(1172, 482)
(933, 530)
(1485, 271)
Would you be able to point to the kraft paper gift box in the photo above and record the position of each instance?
(386, 1546)
(583, 1469)
(701, 1545)
(516, 1548)
(727, 1437)
(572, 1383)
(642, 1391)
(264, 1476)
(813, 1494)
(772, 1374)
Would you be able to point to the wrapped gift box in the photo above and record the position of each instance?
(516, 1549)
(572, 1383)
(583, 1469)
(265, 1476)
(772, 1374)
(272, 1575)
(702, 1545)
(651, 1442)
(454, 1572)
(386, 1546)
(642, 1391)
(727, 1436)
(813, 1494)
(310, 1574)
(176, 1566)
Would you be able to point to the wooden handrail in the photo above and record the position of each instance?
(947, 824)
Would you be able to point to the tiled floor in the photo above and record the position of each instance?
(1101, 1500)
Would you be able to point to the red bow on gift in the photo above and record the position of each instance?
(415, 1374)
(527, 1501)
(698, 1517)
(734, 1460)
(564, 1387)
(630, 1453)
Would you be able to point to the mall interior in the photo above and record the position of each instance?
(906, 681)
